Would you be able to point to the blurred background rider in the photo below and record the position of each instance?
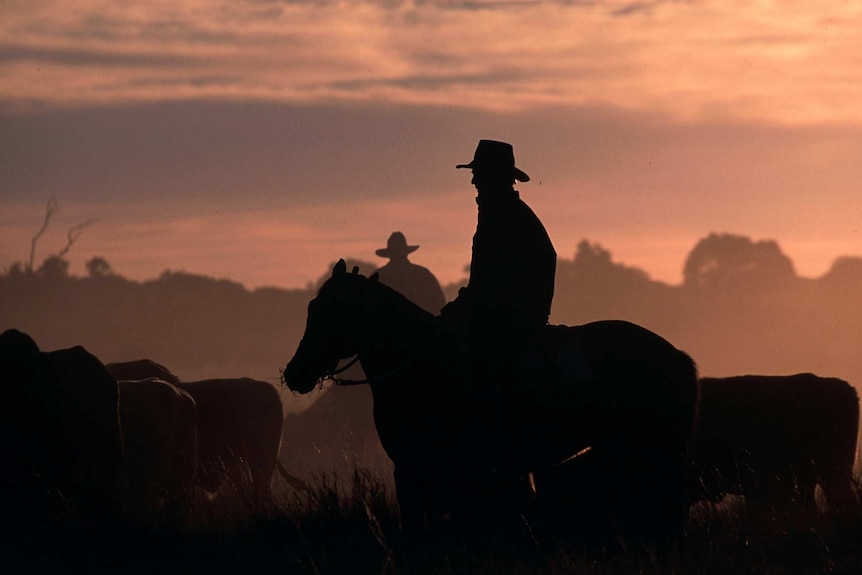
(413, 281)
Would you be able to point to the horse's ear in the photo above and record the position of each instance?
(355, 270)
(340, 267)
(374, 277)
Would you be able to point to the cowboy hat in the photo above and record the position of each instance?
(493, 155)
(396, 245)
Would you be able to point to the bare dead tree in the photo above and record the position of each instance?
(50, 210)
(71, 236)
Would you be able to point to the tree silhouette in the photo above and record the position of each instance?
(593, 270)
(727, 261)
(593, 286)
(71, 236)
(98, 267)
(16, 270)
(591, 259)
(54, 267)
(50, 210)
(845, 270)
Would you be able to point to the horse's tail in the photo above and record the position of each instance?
(684, 375)
(687, 378)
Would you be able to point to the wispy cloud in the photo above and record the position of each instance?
(788, 62)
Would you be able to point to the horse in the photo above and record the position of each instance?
(600, 417)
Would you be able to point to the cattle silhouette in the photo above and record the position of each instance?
(239, 434)
(774, 438)
(61, 446)
(613, 389)
(239, 427)
(141, 369)
(159, 424)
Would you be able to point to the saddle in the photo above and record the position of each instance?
(550, 354)
(553, 353)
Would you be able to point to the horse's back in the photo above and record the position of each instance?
(607, 380)
(609, 347)
(621, 339)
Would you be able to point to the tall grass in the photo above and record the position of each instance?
(349, 524)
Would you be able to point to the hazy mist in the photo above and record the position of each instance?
(740, 309)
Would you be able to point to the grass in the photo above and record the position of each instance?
(349, 524)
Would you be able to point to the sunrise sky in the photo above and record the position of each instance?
(260, 140)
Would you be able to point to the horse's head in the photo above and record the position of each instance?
(329, 330)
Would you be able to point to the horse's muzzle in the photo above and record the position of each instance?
(299, 375)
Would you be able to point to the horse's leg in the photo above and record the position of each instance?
(573, 499)
(665, 500)
(645, 488)
(413, 501)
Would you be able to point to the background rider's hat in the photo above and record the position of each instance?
(395, 246)
(493, 155)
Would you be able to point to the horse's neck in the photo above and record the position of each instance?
(392, 330)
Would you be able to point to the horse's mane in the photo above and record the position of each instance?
(403, 300)
(398, 299)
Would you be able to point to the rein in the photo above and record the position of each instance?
(413, 360)
(339, 381)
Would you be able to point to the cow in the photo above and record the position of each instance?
(159, 423)
(239, 429)
(141, 369)
(774, 438)
(239, 434)
(61, 446)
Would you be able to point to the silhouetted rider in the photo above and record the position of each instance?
(508, 296)
(413, 281)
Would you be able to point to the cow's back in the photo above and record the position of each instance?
(141, 369)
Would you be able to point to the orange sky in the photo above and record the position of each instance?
(259, 140)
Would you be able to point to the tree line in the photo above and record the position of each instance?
(741, 308)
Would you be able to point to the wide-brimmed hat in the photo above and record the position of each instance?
(493, 155)
(396, 245)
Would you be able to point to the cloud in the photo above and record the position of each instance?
(11, 53)
(789, 62)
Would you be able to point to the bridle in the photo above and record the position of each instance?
(414, 359)
(330, 374)
(410, 362)
(340, 381)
